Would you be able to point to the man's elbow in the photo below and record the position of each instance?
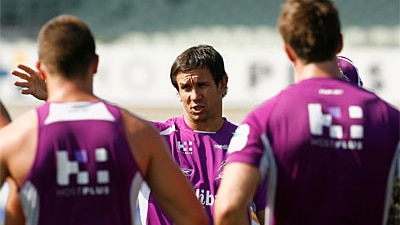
(226, 213)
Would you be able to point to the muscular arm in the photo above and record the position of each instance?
(14, 214)
(171, 189)
(238, 185)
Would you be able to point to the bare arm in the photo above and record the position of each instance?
(237, 188)
(14, 213)
(171, 189)
(33, 82)
(16, 158)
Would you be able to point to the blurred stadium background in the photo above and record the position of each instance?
(138, 40)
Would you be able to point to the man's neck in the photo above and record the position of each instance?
(207, 126)
(326, 69)
(69, 91)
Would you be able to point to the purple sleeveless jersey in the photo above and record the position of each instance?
(201, 157)
(329, 149)
(83, 172)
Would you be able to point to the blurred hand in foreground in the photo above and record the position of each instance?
(33, 83)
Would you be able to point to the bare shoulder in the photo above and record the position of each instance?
(135, 125)
(144, 140)
(23, 127)
(18, 141)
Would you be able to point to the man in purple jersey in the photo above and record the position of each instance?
(78, 159)
(328, 150)
(198, 139)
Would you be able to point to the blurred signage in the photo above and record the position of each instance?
(139, 75)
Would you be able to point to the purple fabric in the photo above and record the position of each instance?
(350, 71)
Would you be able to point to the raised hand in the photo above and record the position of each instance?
(33, 82)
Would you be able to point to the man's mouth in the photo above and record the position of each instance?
(197, 109)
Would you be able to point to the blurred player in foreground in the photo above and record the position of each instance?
(78, 159)
(329, 150)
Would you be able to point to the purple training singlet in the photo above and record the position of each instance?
(84, 171)
(330, 151)
(201, 157)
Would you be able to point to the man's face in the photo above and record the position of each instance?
(201, 97)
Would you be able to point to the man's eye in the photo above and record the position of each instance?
(185, 87)
(203, 84)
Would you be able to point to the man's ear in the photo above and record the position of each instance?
(95, 64)
(42, 70)
(340, 46)
(289, 52)
(223, 84)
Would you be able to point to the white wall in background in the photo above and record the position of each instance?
(139, 75)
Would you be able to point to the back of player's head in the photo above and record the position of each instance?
(349, 70)
(201, 56)
(66, 46)
(311, 28)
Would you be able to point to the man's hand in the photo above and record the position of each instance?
(33, 82)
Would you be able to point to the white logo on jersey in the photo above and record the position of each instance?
(318, 121)
(222, 147)
(66, 168)
(330, 91)
(205, 197)
(187, 172)
(185, 147)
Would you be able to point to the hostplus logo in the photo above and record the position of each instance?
(185, 147)
(69, 169)
(319, 121)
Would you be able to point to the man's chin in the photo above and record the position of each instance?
(198, 117)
